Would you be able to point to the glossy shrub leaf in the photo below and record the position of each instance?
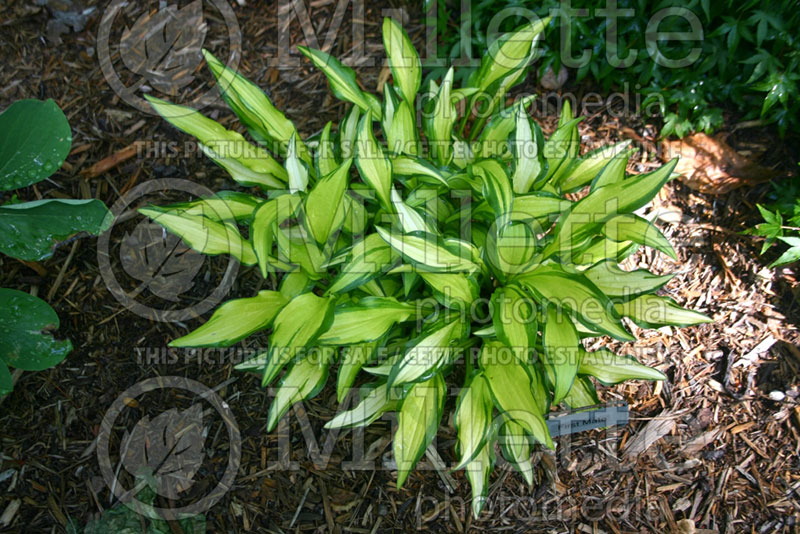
(561, 357)
(204, 235)
(403, 59)
(35, 139)
(234, 320)
(417, 423)
(296, 327)
(26, 326)
(609, 368)
(30, 230)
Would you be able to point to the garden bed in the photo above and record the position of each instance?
(713, 444)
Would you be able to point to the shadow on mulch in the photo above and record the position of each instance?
(712, 444)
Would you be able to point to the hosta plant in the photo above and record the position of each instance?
(426, 242)
(35, 138)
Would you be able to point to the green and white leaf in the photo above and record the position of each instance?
(234, 320)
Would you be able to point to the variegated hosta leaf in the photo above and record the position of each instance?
(413, 166)
(528, 153)
(630, 227)
(517, 448)
(494, 137)
(343, 80)
(561, 345)
(368, 259)
(223, 206)
(573, 291)
(615, 282)
(294, 284)
(266, 220)
(254, 109)
(514, 250)
(473, 419)
(373, 165)
(326, 152)
(614, 170)
(652, 311)
(511, 387)
(235, 320)
(354, 357)
(410, 219)
(453, 290)
(297, 326)
(582, 394)
(509, 53)
(439, 124)
(581, 222)
(403, 59)
(303, 381)
(323, 202)
(541, 207)
(203, 234)
(478, 471)
(402, 137)
(496, 190)
(561, 147)
(425, 252)
(417, 423)
(429, 354)
(368, 320)
(584, 170)
(247, 164)
(296, 169)
(514, 320)
(609, 368)
(296, 247)
(376, 402)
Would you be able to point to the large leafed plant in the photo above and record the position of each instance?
(428, 242)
